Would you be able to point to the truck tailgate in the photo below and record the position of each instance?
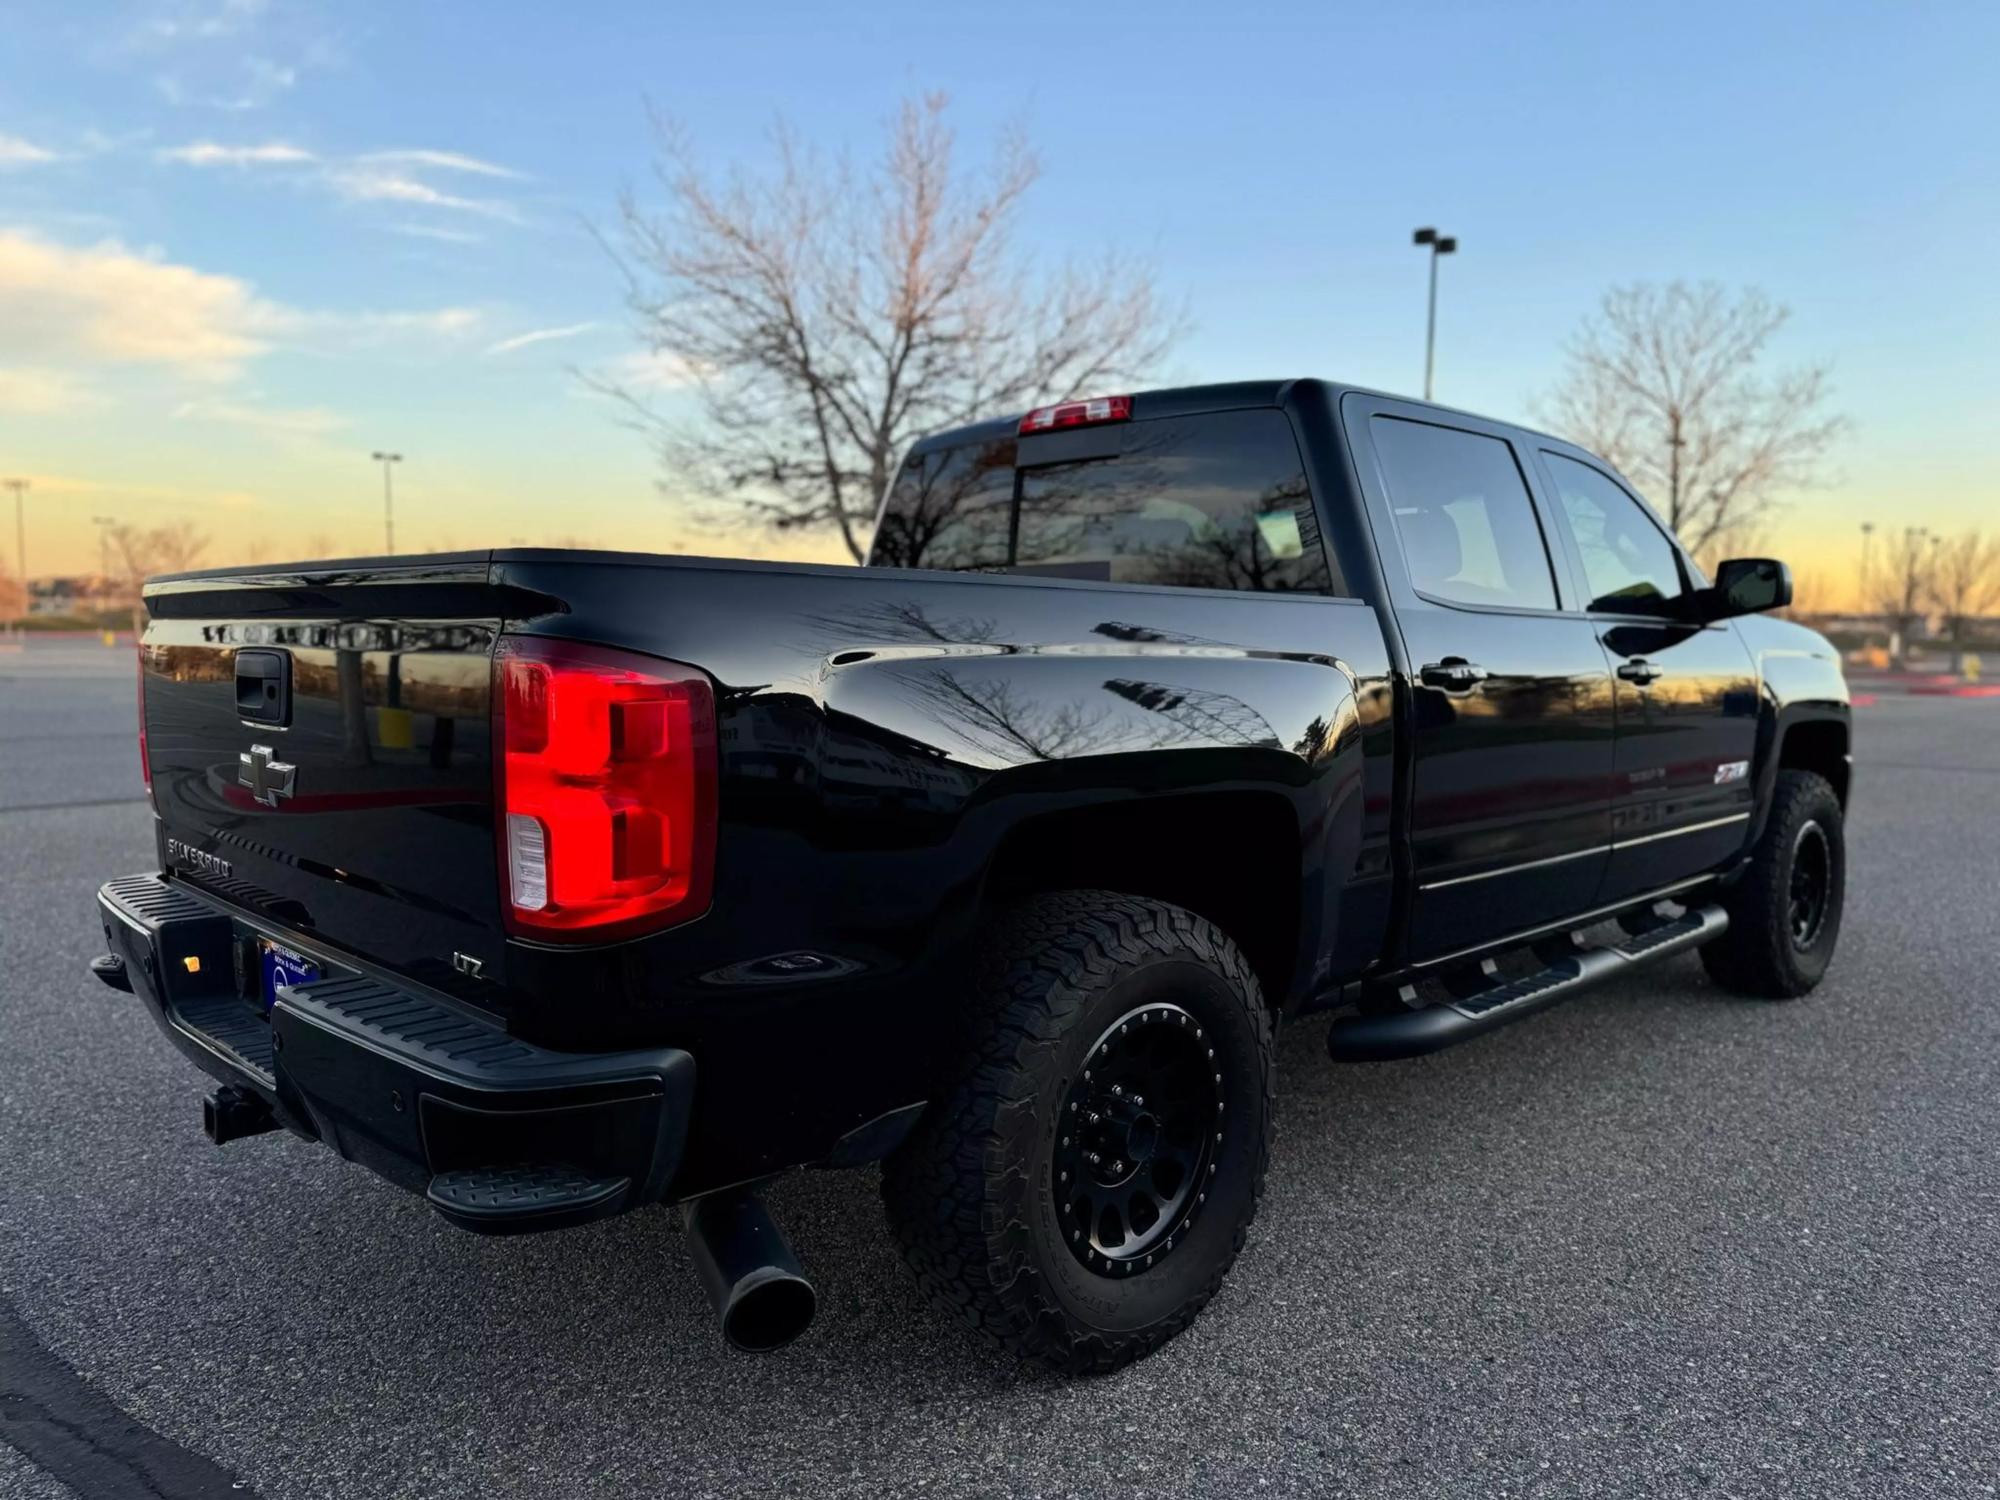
(319, 746)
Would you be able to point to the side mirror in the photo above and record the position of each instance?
(1745, 586)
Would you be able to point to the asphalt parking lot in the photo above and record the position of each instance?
(1657, 1241)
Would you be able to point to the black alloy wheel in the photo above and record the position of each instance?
(1139, 1132)
(1811, 885)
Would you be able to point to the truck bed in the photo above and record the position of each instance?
(888, 742)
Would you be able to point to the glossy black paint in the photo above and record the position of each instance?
(1508, 780)
(383, 841)
(886, 734)
(900, 748)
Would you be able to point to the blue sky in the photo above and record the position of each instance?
(242, 244)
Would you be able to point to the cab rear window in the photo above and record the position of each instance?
(1217, 500)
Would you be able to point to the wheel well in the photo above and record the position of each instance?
(1818, 745)
(1230, 857)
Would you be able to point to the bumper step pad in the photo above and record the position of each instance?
(234, 1028)
(1431, 1028)
(524, 1196)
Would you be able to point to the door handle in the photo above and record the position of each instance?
(1454, 674)
(1639, 670)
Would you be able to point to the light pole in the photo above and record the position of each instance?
(1440, 245)
(1867, 536)
(388, 500)
(20, 488)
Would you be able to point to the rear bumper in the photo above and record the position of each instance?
(500, 1135)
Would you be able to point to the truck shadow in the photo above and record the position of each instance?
(593, 1351)
(574, 1311)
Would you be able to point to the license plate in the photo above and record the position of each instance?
(282, 966)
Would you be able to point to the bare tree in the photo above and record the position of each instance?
(162, 549)
(1901, 584)
(827, 317)
(1001, 723)
(1664, 382)
(1966, 581)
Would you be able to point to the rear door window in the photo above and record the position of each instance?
(1463, 514)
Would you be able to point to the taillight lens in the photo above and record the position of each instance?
(606, 765)
(145, 760)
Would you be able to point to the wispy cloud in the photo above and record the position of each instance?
(69, 309)
(435, 232)
(397, 177)
(85, 494)
(230, 55)
(444, 161)
(539, 336)
(337, 332)
(181, 22)
(647, 371)
(211, 154)
(309, 421)
(44, 392)
(15, 152)
(256, 82)
(386, 185)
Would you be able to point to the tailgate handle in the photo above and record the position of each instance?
(264, 687)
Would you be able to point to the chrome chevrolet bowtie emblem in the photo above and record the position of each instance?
(267, 778)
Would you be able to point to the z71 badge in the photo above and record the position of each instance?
(1731, 770)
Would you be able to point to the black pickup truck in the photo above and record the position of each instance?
(553, 884)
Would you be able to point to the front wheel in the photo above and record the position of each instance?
(1784, 913)
(1080, 1192)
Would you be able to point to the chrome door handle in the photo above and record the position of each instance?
(1454, 674)
(1639, 670)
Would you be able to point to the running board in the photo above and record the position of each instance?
(1412, 1033)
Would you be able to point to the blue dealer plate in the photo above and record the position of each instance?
(282, 966)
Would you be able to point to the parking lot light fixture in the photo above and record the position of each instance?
(1440, 244)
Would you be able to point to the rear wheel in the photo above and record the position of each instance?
(1784, 913)
(1080, 1192)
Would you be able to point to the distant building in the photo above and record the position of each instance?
(85, 593)
(1858, 622)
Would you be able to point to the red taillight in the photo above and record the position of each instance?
(606, 776)
(145, 760)
(1078, 414)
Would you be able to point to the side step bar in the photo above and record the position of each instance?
(1413, 1033)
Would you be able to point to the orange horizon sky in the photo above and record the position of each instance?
(301, 503)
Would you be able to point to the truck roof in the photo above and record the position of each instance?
(1179, 400)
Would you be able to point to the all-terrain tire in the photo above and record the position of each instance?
(1781, 937)
(972, 1195)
